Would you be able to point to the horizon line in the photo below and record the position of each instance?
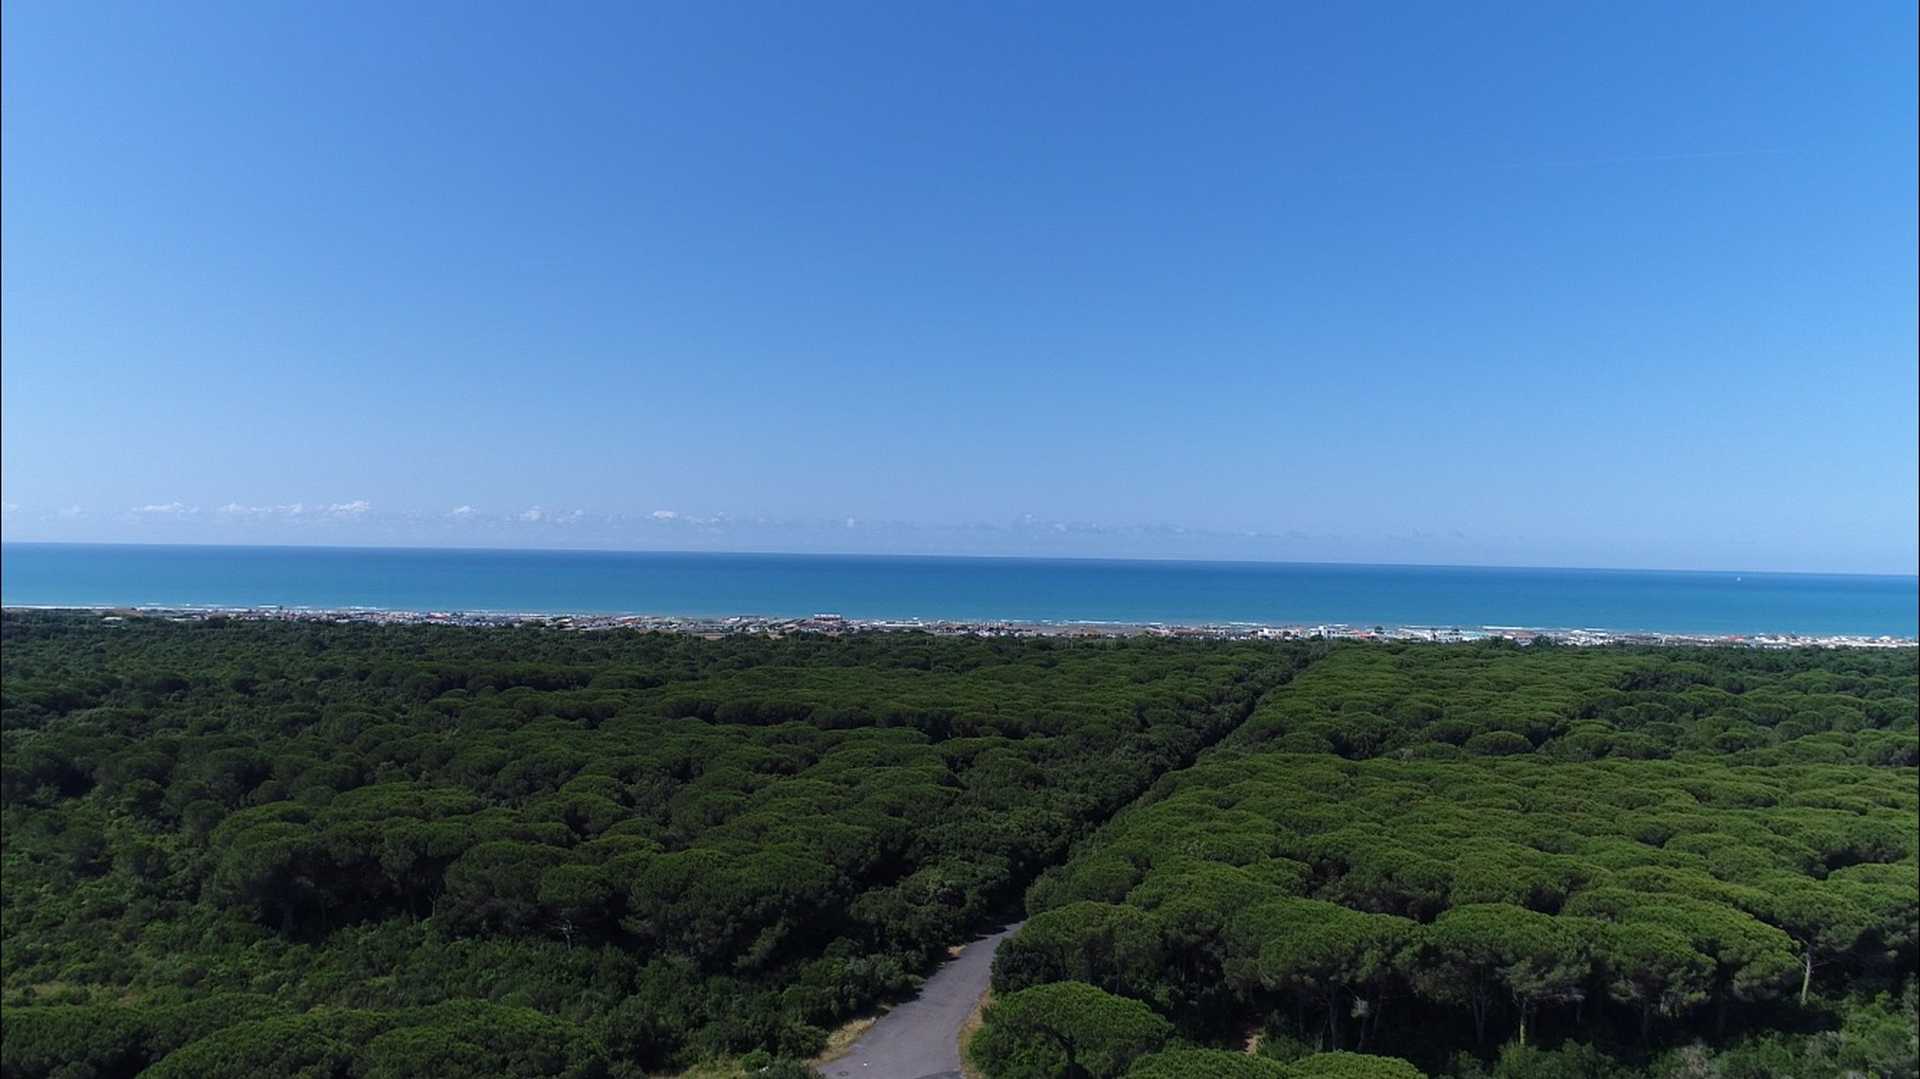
(947, 557)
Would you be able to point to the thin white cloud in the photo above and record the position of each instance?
(75, 510)
(357, 508)
(9, 507)
(687, 520)
(166, 509)
(460, 511)
(533, 514)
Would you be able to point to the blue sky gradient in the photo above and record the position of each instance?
(1569, 284)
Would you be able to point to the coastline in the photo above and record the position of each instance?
(834, 624)
(706, 590)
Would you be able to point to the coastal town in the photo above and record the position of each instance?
(834, 624)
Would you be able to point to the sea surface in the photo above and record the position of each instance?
(1020, 589)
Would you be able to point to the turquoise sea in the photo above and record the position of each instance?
(954, 588)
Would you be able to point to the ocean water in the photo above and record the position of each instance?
(955, 588)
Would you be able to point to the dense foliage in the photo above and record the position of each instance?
(302, 848)
(238, 848)
(1698, 862)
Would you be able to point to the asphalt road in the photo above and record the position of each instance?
(920, 1039)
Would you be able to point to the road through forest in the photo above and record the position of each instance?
(920, 1039)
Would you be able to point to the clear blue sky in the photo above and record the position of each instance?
(1549, 284)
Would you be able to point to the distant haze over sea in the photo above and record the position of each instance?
(1011, 589)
